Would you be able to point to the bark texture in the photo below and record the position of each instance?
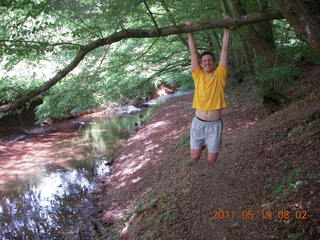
(259, 35)
(303, 20)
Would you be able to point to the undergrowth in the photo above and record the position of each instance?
(281, 188)
(276, 79)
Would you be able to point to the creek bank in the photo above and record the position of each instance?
(22, 126)
(68, 169)
(156, 192)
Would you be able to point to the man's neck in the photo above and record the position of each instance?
(207, 72)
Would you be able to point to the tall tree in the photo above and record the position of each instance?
(258, 35)
(305, 23)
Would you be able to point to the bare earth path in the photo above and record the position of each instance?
(143, 163)
(156, 192)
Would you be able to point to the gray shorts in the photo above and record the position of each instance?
(206, 132)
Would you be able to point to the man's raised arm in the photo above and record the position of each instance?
(193, 50)
(225, 47)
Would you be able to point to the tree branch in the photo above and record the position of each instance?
(143, 54)
(142, 33)
(40, 43)
(258, 39)
(151, 15)
(87, 27)
(173, 21)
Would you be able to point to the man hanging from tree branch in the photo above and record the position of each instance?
(208, 98)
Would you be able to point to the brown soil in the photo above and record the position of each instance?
(156, 192)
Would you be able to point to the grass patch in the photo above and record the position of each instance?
(166, 219)
(154, 213)
(298, 236)
(182, 141)
(282, 187)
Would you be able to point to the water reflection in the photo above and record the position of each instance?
(50, 202)
(61, 168)
(51, 207)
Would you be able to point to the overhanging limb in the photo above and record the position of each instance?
(142, 33)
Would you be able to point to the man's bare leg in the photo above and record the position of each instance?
(195, 154)
(212, 157)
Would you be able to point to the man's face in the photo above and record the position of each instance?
(207, 63)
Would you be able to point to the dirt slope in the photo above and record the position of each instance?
(156, 192)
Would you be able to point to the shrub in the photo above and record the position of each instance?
(275, 80)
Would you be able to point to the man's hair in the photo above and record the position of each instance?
(207, 53)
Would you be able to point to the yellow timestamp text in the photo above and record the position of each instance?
(262, 214)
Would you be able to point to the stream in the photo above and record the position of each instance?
(46, 179)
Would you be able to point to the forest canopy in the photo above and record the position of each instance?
(77, 55)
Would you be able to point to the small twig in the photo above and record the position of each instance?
(173, 21)
(107, 234)
(151, 15)
(86, 26)
(41, 43)
(153, 43)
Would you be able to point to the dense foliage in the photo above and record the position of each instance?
(39, 37)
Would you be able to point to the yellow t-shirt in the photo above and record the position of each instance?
(209, 89)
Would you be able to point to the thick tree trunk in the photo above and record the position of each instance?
(142, 33)
(261, 45)
(304, 22)
(248, 55)
(260, 36)
(265, 27)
